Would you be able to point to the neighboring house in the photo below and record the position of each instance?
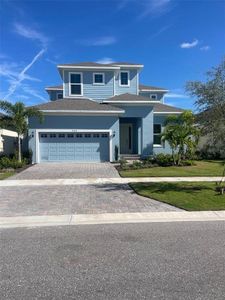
(99, 109)
(8, 140)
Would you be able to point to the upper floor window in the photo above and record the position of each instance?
(153, 96)
(98, 78)
(124, 78)
(59, 96)
(157, 134)
(76, 84)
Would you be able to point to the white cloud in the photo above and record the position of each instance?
(105, 60)
(188, 45)
(159, 32)
(176, 93)
(30, 33)
(100, 41)
(154, 8)
(31, 91)
(17, 80)
(205, 48)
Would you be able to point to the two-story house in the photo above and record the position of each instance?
(98, 111)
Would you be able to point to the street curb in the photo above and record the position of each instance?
(110, 218)
(97, 181)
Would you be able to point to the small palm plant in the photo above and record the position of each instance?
(16, 119)
(182, 135)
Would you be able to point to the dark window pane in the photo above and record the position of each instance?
(157, 140)
(59, 96)
(124, 78)
(75, 78)
(98, 78)
(75, 89)
(157, 128)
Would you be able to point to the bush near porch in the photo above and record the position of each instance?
(163, 168)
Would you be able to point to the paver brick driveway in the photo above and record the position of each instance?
(73, 199)
(68, 170)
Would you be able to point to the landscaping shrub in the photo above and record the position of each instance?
(137, 165)
(187, 163)
(163, 160)
(123, 164)
(11, 163)
(28, 155)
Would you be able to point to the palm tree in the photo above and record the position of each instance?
(182, 135)
(16, 118)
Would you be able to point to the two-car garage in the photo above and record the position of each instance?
(74, 146)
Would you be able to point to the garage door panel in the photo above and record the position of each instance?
(80, 147)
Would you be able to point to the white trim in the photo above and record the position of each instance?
(63, 84)
(130, 66)
(109, 131)
(149, 90)
(81, 84)
(167, 112)
(103, 79)
(114, 83)
(88, 67)
(128, 78)
(157, 146)
(137, 83)
(53, 89)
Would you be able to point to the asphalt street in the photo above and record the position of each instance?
(183, 260)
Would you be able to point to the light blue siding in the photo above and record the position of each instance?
(90, 90)
(74, 122)
(132, 89)
(160, 95)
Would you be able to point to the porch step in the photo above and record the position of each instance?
(130, 156)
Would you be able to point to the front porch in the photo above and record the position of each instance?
(130, 137)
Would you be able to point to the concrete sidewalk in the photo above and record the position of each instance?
(118, 218)
(93, 181)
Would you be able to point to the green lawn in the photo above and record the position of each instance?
(192, 196)
(201, 168)
(6, 175)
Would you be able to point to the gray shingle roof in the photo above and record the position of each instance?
(151, 88)
(158, 107)
(127, 97)
(78, 104)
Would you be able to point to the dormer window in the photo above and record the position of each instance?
(153, 96)
(124, 78)
(59, 96)
(76, 84)
(98, 78)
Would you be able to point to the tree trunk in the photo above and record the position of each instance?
(19, 148)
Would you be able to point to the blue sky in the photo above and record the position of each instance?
(176, 41)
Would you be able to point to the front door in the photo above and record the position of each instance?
(126, 131)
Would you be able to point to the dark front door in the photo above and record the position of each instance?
(126, 131)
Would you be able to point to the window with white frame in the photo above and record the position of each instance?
(76, 84)
(153, 96)
(98, 78)
(59, 96)
(124, 78)
(157, 134)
